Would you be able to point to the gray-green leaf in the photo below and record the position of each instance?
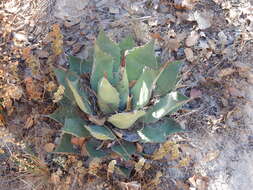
(142, 90)
(61, 76)
(125, 150)
(166, 105)
(109, 47)
(108, 97)
(123, 88)
(79, 95)
(139, 57)
(127, 44)
(100, 132)
(79, 66)
(75, 127)
(64, 111)
(65, 145)
(126, 119)
(168, 78)
(102, 65)
(91, 147)
(158, 132)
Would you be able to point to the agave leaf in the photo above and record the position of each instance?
(65, 145)
(109, 47)
(142, 90)
(64, 111)
(139, 57)
(91, 148)
(75, 127)
(125, 149)
(108, 97)
(123, 88)
(126, 172)
(102, 65)
(126, 119)
(166, 105)
(127, 43)
(100, 132)
(79, 66)
(61, 75)
(168, 78)
(158, 132)
(79, 95)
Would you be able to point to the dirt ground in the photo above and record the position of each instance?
(214, 39)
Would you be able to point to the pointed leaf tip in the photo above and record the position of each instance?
(108, 96)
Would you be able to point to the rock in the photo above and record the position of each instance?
(203, 19)
(189, 54)
(192, 39)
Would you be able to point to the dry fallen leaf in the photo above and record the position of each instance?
(199, 182)
(166, 148)
(49, 147)
(211, 155)
(33, 90)
(184, 4)
(139, 165)
(57, 39)
(55, 178)
(173, 44)
(111, 167)
(78, 141)
(195, 93)
(94, 166)
(189, 54)
(58, 95)
(192, 39)
(13, 91)
(51, 86)
(184, 162)
(29, 122)
(156, 36)
(133, 185)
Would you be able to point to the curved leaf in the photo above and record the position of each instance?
(75, 127)
(109, 47)
(168, 78)
(91, 148)
(61, 76)
(158, 132)
(108, 97)
(125, 120)
(125, 149)
(100, 132)
(79, 95)
(79, 66)
(142, 90)
(123, 89)
(64, 111)
(139, 57)
(65, 145)
(102, 65)
(166, 105)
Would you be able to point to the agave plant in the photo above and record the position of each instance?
(123, 96)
